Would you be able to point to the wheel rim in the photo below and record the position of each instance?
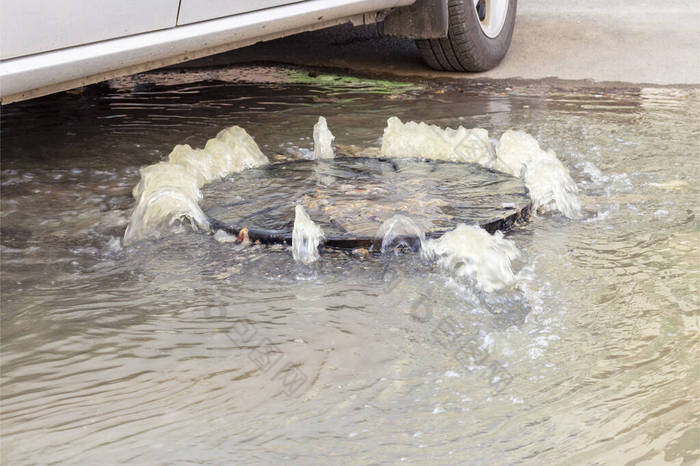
(492, 16)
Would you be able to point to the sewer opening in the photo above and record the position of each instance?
(351, 198)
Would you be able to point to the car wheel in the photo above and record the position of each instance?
(478, 37)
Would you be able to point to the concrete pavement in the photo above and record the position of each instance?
(641, 41)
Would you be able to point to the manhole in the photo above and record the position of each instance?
(350, 197)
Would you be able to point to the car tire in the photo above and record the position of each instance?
(479, 34)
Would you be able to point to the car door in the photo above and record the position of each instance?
(35, 26)
(192, 11)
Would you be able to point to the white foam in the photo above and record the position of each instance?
(198, 163)
(430, 142)
(518, 154)
(470, 251)
(551, 187)
(169, 191)
(222, 237)
(323, 139)
(306, 237)
(162, 208)
(163, 175)
(231, 151)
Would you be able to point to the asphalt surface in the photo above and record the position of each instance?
(639, 41)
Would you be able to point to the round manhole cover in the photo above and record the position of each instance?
(351, 197)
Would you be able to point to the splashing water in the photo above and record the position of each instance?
(306, 237)
(470, 251)
(551, 187)
(598, 334)
(169, 191)
(163, 207)
(518, 153)
(400, 230)
(323, 138)
(423, 141)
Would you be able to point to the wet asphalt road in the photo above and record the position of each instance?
(639, 41)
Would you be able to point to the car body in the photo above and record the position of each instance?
(47, 47)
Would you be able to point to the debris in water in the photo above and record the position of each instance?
(243, 236)
(222, 237)
(470, 251)
(240, 241)
(306, 237)
(360, 252)
(323, 138)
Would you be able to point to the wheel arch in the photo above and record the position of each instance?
(424, 19)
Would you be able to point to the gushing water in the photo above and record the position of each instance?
(169, 191)
(398, 231)
(551, 187)
(423, 141)
(467, 251)
(306, 237)
(470, 251)
(518, 153)
(107, 351)
(159, 210)
(323, 139)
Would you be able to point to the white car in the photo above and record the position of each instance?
(49, 46)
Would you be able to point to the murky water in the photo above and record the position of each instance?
(191, 350)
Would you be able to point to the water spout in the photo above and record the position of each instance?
(169, 191)
(471, 252)
(430, 142)
(399, 231)
(323, 138)
(551, 187)
(306, 237)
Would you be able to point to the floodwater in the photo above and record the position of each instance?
(188, 350)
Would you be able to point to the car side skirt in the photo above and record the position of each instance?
(31, 76)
